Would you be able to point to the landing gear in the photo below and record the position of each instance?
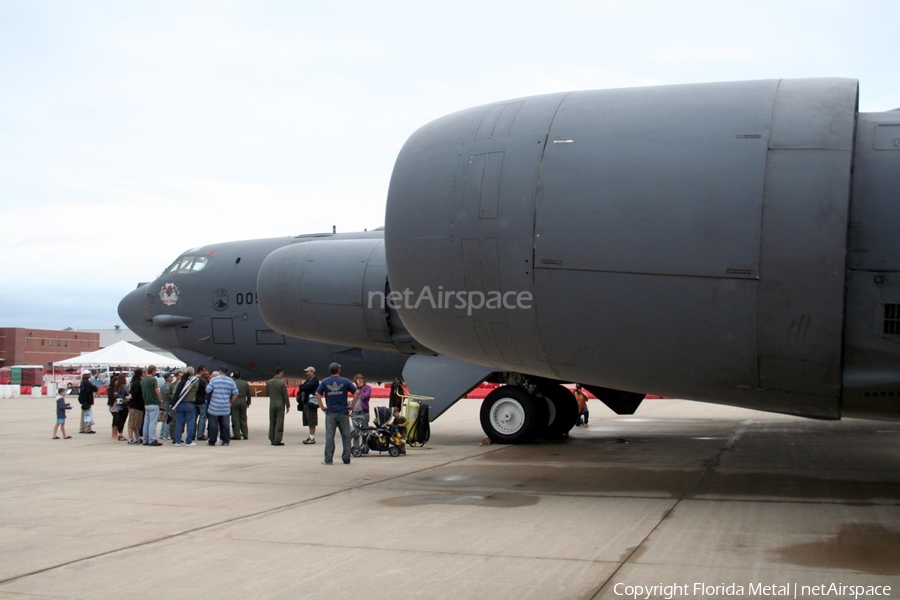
(510, 415)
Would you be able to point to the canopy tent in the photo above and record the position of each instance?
(121, 354)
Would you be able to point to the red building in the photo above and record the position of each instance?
(21, 346)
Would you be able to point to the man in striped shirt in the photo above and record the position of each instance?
(223, 392)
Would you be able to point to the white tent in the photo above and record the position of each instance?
(121, 354)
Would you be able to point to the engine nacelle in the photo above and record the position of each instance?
(689, 241)
(334, 292)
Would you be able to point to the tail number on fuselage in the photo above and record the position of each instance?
(246, 298)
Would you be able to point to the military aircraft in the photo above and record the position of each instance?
(731, 243)
(204, 309)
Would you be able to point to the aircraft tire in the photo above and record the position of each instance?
(510, 415)
(565, 410)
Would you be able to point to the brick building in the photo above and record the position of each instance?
(22, 346)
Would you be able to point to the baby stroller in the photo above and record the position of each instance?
(382, 437)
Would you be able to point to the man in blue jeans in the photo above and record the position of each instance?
(332, 398)
(152, 403)
(185, 409)
(222, 394)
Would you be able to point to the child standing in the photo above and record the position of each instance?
(61, 407)
(583, 412)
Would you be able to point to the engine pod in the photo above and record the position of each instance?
(659, 231)
(331, 291)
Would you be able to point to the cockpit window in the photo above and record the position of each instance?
(199, 263)
(189, 263)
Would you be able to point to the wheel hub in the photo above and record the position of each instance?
(507, 416)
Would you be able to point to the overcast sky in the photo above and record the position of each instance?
(132, 131)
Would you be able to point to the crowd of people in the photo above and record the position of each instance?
(190, 406)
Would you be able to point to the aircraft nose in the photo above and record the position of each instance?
(138, 311)
(134, 309)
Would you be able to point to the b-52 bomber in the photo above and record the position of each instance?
(732, 243)
(728, 243)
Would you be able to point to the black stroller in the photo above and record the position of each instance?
(382, 437)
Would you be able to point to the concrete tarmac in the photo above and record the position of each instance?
(679, 494)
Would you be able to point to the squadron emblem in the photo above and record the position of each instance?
(220, 299)
(169, 294)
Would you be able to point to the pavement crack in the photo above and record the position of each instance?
(253, 515)
(689, 488)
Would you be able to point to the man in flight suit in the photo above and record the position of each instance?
(279, 405)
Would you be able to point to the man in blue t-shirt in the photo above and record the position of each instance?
(332, 398)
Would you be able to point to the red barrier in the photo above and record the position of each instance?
(384, 391)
